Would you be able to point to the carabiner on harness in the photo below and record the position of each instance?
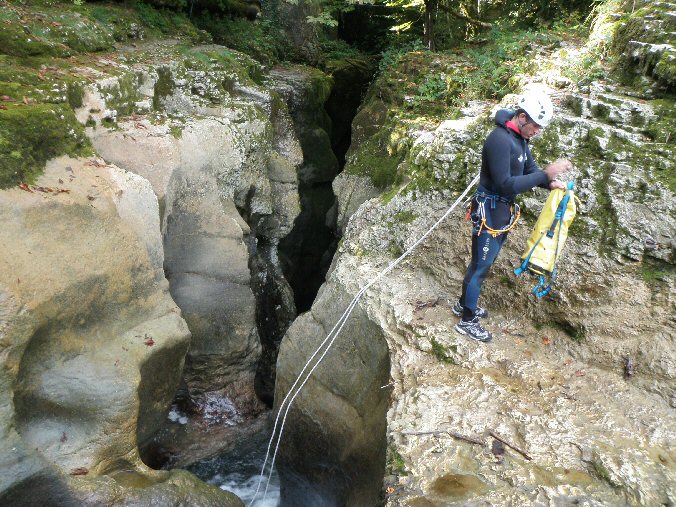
(513, 219)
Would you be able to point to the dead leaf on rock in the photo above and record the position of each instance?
(79, 471)
(25, 187)
(579, 373)
(149, 342)
(546, 340)
(96, 163)
(389, 490)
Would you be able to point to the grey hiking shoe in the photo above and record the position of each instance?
(480, 311)
(474, 330)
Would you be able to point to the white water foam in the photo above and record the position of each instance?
(245, 488)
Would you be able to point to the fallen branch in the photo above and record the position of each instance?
(466, 18)
(427, 304)
(471, 440)
(497, 437)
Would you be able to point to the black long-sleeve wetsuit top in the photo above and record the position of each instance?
(507, 166)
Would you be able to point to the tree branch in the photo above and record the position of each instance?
(449, 433)
(468, 19)
(497, 437)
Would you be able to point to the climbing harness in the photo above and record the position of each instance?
(298, 385)
(480, 218)
(548, 237)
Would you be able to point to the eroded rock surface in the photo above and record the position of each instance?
(222, 162)
(583, 381)
(91, 351)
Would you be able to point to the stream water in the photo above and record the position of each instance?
(239, 471)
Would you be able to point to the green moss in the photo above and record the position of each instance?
(574, 104)
(31, 135)
(395, 462)
(507, 281)
(164, 87)
(590, 148)
(123, 94)
(655, 272)
(373, 159)
(443, 352)
(405, 217)
(547, 147)
(75, 94)
(576, 332)
(604, 213)
(175, 131)
(264, 40)
(394, 249)
(600, 112)
(17, 41)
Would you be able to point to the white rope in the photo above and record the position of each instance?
(330, 338)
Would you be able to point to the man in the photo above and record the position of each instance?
(507, 169)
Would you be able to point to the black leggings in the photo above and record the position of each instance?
(485, 249)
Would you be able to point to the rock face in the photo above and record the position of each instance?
(308, 249)
(335, 436)
(227, 183)
(92, 350)
(581, 382)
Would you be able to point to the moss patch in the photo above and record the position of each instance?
(443, 352)
(395, 463)
(374, 159)
(31, 135)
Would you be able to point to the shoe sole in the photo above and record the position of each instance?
(462, 331)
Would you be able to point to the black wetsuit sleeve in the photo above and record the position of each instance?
(497, 151)
(532, 167)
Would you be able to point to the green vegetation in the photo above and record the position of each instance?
(443, 352)
(405, 217)
(395, 463)
(264, 40)
(654, 272)
(394, 249)
(32, 134)
(376, 160)
(576, 332)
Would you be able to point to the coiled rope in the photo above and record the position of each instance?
(330, 338)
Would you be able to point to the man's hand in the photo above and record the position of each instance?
(555, 168)
(557, 184)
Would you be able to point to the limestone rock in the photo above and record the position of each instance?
(226, 180)
(341, 409)
(93, 344)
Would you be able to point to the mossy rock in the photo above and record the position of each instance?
(31, 135)
(373, 159)
(77, 32)
(18, 41)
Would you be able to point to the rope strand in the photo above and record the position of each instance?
(330, 338)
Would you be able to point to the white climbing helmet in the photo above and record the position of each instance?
(538, 105)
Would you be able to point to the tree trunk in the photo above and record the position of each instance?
(428, 36)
